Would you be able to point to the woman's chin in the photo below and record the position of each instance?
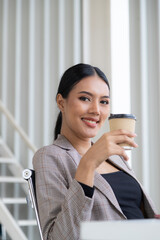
(90, 134)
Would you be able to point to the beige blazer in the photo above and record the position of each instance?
(62, 203)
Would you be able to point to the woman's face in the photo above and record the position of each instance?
(85, 109)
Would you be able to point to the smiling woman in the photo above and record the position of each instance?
(71, 78)
(85, 109)
(77, 180)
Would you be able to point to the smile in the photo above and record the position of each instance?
(90, 122)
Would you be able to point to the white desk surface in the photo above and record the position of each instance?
(148, 229)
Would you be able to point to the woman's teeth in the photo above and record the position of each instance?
(90, 121)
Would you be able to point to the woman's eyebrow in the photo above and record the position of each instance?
(90, 94)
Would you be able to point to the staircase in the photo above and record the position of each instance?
(17, 219)
(14, 215)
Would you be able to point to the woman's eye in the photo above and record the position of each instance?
(105, 102)
(85, 99)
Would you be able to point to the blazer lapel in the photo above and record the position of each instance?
(121, 164)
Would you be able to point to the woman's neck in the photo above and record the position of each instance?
(81, 145)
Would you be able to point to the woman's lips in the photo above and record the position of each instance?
(90, 122)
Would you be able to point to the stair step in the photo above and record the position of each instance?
(7, 160)
(14, 200)
(23, 223)
(12, 180)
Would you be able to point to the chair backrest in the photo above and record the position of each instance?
(29, 175)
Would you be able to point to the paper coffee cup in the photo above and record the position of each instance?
(122, 121)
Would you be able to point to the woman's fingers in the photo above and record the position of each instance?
(123, 154)
(125, 139)
(122, 132)
(121, 136)
(115, 138)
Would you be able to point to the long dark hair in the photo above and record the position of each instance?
(69, 79)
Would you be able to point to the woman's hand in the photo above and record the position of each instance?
(105, 147)
(108, 145)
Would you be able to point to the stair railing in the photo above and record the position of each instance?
(17, 127)
(8, 220)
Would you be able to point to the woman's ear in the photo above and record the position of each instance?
(60, 102)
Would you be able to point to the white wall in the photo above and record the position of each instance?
(145, 91)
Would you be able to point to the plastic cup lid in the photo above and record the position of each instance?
(112, 116)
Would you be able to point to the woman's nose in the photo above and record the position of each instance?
(94, 108)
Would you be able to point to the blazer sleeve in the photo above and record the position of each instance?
(62, 204)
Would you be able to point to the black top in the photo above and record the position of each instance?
(127, 192)
(88, 191)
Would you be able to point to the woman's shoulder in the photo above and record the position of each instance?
(48, 153)
(56, 153)
(60, 145)
(49, 158)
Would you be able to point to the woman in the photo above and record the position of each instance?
(79, 181)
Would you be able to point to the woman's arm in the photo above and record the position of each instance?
(105, 147)
(62, 205)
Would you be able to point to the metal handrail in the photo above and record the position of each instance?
(17, 127)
